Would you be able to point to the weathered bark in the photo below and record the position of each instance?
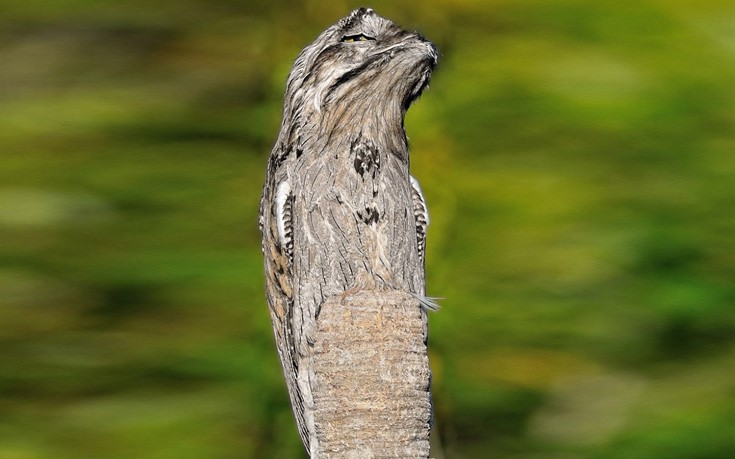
(370, 381)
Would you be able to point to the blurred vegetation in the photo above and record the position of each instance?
(578, 159)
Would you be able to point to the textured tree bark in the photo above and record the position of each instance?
(371, 377)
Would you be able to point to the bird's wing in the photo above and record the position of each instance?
(277, 228)
(421, 214)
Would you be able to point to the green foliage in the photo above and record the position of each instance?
(578, 162)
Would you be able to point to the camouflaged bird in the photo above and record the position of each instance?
(339, 212)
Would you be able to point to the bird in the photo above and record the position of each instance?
(339, 211)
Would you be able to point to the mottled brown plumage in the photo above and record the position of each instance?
(340, 213)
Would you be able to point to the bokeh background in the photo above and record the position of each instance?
(578, 158)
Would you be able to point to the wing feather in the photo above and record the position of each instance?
(277, 229)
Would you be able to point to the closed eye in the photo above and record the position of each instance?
(356, 37)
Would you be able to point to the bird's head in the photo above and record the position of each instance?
(362, 66)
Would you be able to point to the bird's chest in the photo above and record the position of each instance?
(353, 217)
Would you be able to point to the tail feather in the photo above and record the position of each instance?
(429, 303)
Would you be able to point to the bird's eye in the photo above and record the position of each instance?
(356, 37)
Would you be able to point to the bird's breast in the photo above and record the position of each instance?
(353, 220)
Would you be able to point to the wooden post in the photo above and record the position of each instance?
(370, 381)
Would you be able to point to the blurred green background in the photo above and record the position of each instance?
(578, 158)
